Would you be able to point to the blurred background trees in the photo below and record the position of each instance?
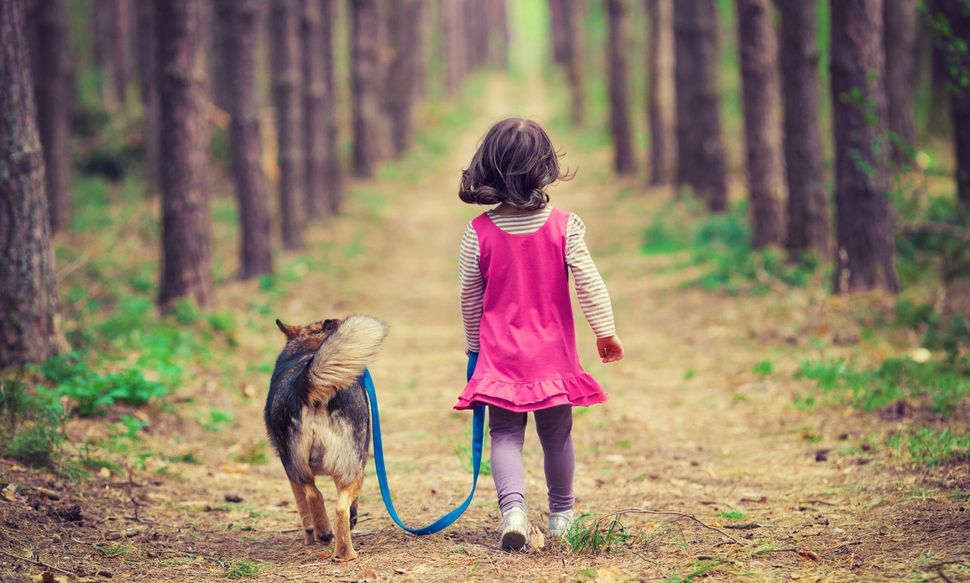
(817, 117)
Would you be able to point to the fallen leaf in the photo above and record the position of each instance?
(104, 472)
(537, 540)
(812, 556)
(10, 492)
(368, 573)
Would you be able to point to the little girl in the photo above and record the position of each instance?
(514, 265)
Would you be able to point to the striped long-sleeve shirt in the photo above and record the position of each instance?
(594, 299)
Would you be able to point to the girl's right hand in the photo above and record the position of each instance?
(610, 348)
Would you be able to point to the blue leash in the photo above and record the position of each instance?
(478, 435)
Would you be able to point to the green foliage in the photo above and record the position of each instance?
(721, 246)
(244, 568)
(932, 447)
(732, 514)
(33, 433)
(701, 569)
(895, 379)
(216, 420)
(763, 368)
(593, 536)
(92, 392)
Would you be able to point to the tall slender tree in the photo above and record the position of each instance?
(333, 183)
(762, 120)
(401, 83)
(864, 225)
(558, 30)
(808, 213)
(901, 74)
(186, 221)
(700, 147)
(363, 57)
(241, 20)
(288, 99)
(661, 96)
(955, 47)
(619, 85)
(146, 52)
(575, 48)
(29, 328)
(52, 86)
(314, 109)
(499, 33)
(453, 45)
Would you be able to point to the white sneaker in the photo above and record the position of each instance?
(559, 523)
(515, 529)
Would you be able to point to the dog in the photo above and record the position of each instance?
(318, 420)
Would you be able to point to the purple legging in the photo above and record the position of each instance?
(554, 426)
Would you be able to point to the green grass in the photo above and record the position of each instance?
(932, 447)
(244, 568)
(587, 535)
(763, 368)
(732, 514)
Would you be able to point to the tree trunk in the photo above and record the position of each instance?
(558, 30)
(401, 89)
(864, 225)
(575, 58)
(288, 99)
(901, 75)
(149, 92)
(333, 185)
(117, 25)
(29, 328)
(758, 50)
(314, 110)
(241, 18)
(363, 57)
(499, 33)
(186, 239)
(54, 93)
(957, 55)
(700, 148)
(216, 33)
(617, 46)
(384, 42)
(808, 213)
(453, 45)
(661, 98)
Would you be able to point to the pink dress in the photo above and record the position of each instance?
(528, 357)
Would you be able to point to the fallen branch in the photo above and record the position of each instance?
(691, 517)
(38, 563)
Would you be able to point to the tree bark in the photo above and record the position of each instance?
(241, 21)
(864, 225)
(114, 39)
(333, 184)
(808, 213)
(574, 58)
(288, 99)
(558, 30)
(401, 89)
(617, 46)
(54, 94)
(453, 45)
(149, 92)
(661, 96)
(901, 75)
(957, 55)
(700, 149)
(314, 110)
(365, 109)
(499, 33)
(186, 224)
(29, 328)
(758, 50)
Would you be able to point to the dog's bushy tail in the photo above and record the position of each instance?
(341, 359)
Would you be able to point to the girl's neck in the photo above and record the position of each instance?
(507, 209)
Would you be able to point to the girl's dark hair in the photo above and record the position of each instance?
(514, 164)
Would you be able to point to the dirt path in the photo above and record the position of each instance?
(688, 427)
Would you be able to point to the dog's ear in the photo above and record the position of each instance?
(289, 331)
(330, 325)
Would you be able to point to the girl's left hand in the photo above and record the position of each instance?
(610, 348)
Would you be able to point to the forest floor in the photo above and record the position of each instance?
(690, 427)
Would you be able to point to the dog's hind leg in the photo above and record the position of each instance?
(304, 509)
(318, 511)
(346, 497)
(353, 513)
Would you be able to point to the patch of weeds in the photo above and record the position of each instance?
(216, 420)
(763, 368)
(689, 374)
(960, 495)
(244, 568)
(592, 536)
(255, 453)
(33, 433)
(464, 452)
(932, 447)
(732, 514)
(185, 458)
(942, 384)
(701, 569)
(92, 392)
(939, 332)
(113, 550)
